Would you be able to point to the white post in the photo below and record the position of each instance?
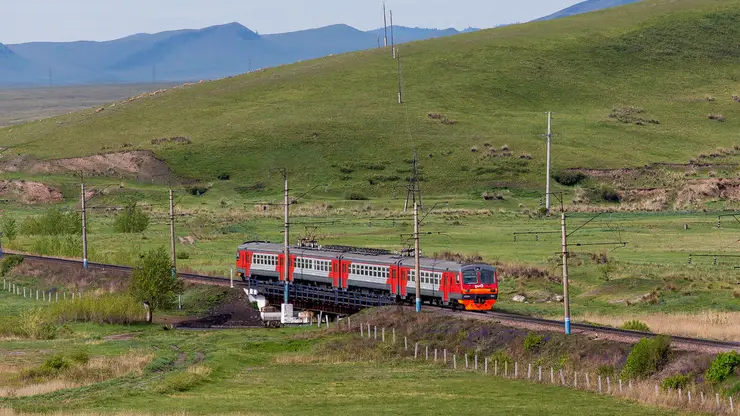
(575, 380)
(588, 381)
(37, 294)
(375, 333)
(732, 405)
(495, 367)
(516, 369)
(717, 399)
(405, 343)
(608, 385)
(599, 384)
(454, 361)
(529, 371)
(444, 354)
(620, 385)
(394, 336)
(506, 369)
(435, 355)
(552, 375)
(689, 394)
(231, 276)
(179, 302)
(486, 365)
(362, 330)
(466, 360)
(475, 361)
(426, 353)
(383, 334)
(327, 320)
(56, 296)
(416, 350)
(540, 375)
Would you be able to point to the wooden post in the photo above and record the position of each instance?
(394, 336)
(405, 343)
(435, 355)
(362, 330)
(466, 360)
(599, 384)
(588, 382)
(620, 385)
(529, 371)
(540, 374)
(444, 355)
(376, 332)
(454, 361)
(608, 385)
(689, 395)
(383, 334)
(506, 369)
(562, 377)
(495, 367)
(575, 380)
(486, 365)
(552, 375)
(427, 352)
(416, 350)
(516, 369)
(475, 362)
(717, 399)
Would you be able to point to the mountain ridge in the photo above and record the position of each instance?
(586, 7)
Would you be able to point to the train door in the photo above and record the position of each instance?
(395, 289)
(335, 273)
(246, 264)
(281, 266)
(447, 281)
(345, 274)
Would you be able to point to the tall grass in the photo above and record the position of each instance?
(707, 324)
(103, 309)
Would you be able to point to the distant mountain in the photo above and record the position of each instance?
(186, 55)
(587, 6)
(16, 70)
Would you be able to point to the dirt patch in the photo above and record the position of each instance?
(31, 193)
(73, 275)
(138, 164)
(234, 312)
(122, 337)
(700, 190)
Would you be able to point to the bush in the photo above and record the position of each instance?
(183, 255)
(609, 194)
(9, 227)
(723, 366)
(647, 357)
(196, 190)
(131, 220)
(153, 283)
(569, 177)
(9, 262)
(676, 382)
(37, 324)
(355, 196)
(532, 341)
(53, 222)
(636, 325)
(69, 246)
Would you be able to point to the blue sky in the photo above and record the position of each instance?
(67, 20)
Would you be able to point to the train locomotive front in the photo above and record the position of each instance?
(478, 287)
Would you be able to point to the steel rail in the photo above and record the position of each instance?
(701, 342)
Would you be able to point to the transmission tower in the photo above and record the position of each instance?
(413, 193)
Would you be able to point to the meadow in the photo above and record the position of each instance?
(139, 369)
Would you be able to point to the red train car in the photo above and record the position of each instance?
(474, 286)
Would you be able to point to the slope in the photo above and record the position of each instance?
(587, 6)
(20, 70)
(336, 120)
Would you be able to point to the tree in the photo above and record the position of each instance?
(9, 227)
(131, 220)
(153, 284)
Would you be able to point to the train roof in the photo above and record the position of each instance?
(365, 255)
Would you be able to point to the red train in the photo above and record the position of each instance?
(474, 286)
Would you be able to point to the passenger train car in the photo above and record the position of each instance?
(474, 286)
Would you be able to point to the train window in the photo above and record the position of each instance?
(487, 277)
(470, 277)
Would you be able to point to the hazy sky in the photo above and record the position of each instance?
(67, 20)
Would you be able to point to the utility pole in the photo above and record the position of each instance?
(566, 298)
(286, 241)
(549, 145)
(385, 27)
(417, 267)
(393, 43)
(400, 89)
(84, 222)
(173, 254)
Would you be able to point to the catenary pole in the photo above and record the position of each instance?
(549, 147)
(566, 298)
(385, 27)
(84, 222)
(417, 267)
(173, 254)
(393, 43)
(286, 240)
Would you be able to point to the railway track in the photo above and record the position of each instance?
(699, 344)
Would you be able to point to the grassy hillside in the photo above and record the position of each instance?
(335, 120)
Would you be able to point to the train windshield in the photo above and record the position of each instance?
(487, 277)
(470, 277)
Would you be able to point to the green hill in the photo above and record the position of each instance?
(336, 120)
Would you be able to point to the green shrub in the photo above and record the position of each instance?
(647, 357)
(67, 246)
(37, 324)
(502, 357)
(9, 262)
(153, 283)
(723, 366)
(569, 177)
(676, 382)
(532, 341)
(636, 325)
(9, 227)
(606, 370)
(355, 196)
(183, 255)
(131, 220)
(608, 194)
(53, 222)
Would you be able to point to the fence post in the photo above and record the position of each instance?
(486, 365)
(599, 384)
(435, 355)
(656, 389)
(427, 353)
(405, 343)
(65, 295)
(376, 332)
(575, 380)
(732, 405)
(540, 372)
(529, 371)
(608, 385)
(56, 296)
(49, 297)
(702, 397)
(73, 296)
(495, 367)
(416, 350)
(383, 334)
(552, 375)
(516, 369)
(717, 399)
(444, 354)
(630, 384)
(179, 302)
(689, 394)
(349, 323)
(620, 385)
(588, 382)
(506, 369)
(24, 291)
(562, 377)
(454, 361)
(394, 336)
(362, 331)
(37, 294)
(466, 360)
(475, 360)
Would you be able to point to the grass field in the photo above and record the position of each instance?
(270, 372)
(335, 120)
